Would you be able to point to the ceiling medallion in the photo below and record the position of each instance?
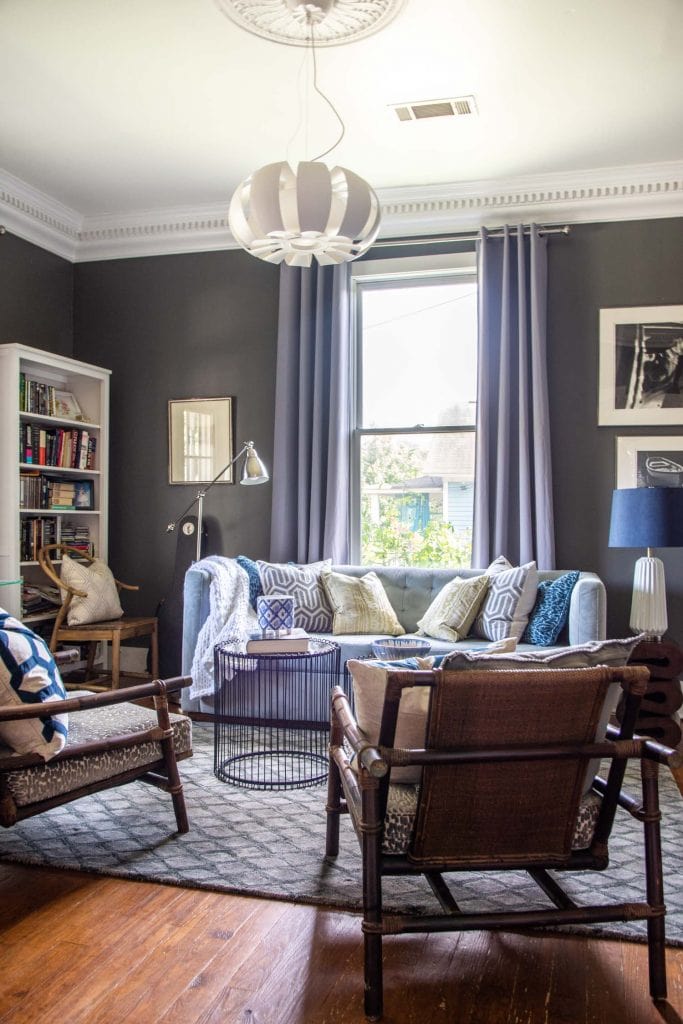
(288, 21)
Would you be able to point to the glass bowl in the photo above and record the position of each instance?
(395, 648)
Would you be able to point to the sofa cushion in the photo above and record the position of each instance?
(30, 785)
(96, 581)
(549, 614)
(28, 675)
(360, 605)
(312, 610)
(454, 609)
(509, 600)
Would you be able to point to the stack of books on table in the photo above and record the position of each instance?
(296, 641)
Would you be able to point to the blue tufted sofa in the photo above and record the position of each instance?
(410, 592)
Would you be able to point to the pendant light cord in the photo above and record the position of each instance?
(323, 96)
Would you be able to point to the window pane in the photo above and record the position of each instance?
(419, 354)
(416, 499)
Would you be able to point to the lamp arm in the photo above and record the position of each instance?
(199, 496)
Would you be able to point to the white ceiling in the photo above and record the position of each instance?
(117, 106)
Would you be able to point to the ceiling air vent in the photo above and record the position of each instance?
(457, 107)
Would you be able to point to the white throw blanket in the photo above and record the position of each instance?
(230, 617)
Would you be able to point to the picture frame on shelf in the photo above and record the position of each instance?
(66, 406)
(641, 366)
(200, 440)
(654, 461)
(84, 495)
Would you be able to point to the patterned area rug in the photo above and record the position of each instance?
(268, 843)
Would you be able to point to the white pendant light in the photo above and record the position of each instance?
(293, 215)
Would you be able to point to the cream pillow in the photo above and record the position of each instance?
(96, 581)
(360, 604)
(454, 609)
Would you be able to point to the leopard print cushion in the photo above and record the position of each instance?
(31, 785)
(402, 808)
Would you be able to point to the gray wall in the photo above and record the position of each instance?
(189, 326)
(633, 263)
(36, 296)
(204, 325)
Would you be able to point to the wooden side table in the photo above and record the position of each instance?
(658, 716)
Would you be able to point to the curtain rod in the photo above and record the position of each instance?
(439, 239)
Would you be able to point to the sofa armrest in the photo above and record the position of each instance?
(587, 610)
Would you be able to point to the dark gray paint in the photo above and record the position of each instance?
(633, 263)
(188, 326)
(36, 296)
(205, 324)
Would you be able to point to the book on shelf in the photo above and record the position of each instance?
(296, 641)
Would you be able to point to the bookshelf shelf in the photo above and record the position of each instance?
(33, 383)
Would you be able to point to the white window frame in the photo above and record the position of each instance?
(461, 265)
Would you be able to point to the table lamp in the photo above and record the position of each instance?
(647, 517)
(253, 472)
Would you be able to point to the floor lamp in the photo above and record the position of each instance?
(647, 517)
(253, 472)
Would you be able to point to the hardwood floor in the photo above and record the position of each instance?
(81, 949)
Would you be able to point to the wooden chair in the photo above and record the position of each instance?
(113, 631)
(105, 748)
(504, 775)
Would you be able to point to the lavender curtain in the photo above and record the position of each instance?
(513, 505)
(310, 517)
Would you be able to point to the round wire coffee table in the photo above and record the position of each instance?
(272, 715)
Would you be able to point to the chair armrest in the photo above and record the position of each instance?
(156, 688)
(368, 755)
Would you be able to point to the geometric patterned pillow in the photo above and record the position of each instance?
(551, 609)
(509, 600)
(312, 611)
(101, 602)
(28, 675)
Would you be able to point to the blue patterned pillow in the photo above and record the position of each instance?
(251, 569)
(312, 610)
(550, 611)
(28, 675)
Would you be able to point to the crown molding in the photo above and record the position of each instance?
(604, 194)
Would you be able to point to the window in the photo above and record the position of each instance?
(415, 412)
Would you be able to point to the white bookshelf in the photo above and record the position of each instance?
(90, 387)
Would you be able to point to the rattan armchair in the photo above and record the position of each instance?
(113, 631)
(112, 741)
(505, 771)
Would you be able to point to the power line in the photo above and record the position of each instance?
(414, 312)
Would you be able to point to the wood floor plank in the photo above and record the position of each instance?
(108, 950)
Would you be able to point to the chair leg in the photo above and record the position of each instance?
(90, 660)
(115, 660)
(333, 810)
(154, 651)
(656, 940)
(175, 786)
(372, 902)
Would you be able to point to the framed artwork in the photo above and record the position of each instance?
(641, 366)
(200, 440)
(84, 495)
(66, 406)
(650, 461)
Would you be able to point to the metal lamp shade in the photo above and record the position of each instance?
(277, 214)
(647, 517)
(253, 471)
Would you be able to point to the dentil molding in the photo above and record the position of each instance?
(605, 194)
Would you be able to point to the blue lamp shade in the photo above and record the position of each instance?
(647, 517)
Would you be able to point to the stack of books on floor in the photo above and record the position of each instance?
(296, 641)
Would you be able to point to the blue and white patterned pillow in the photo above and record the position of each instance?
(251, 569)
(550, 612)
(508, 602)
(28, 675)
(312, 610)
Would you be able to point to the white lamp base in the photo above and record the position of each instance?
(648, 606)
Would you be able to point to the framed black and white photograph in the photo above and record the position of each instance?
(200, 440)
(650, 461)
(641, 366)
